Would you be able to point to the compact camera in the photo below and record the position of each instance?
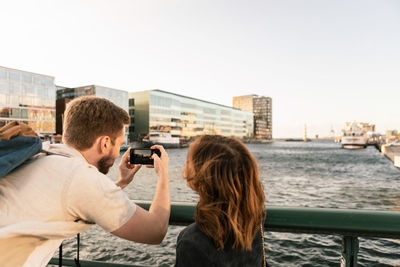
(143, 155)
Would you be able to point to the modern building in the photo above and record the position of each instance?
(118, 97)
(28, 97)
(186, 117)
(261, 107)
(65, 94)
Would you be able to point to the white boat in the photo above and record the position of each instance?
(354, 137)
(124, 148)
(397, 161)
(163, 138)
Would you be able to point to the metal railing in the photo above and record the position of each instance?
(348, 223)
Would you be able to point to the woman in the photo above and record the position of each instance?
(229, 215)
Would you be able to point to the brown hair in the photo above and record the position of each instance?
(224, 174)
(88, 117)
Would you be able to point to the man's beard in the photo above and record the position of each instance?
(105, 163)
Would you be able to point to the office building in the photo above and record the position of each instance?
(118, 97)
(186, 117)
(65, 94)
(261, 107)
(27, 97)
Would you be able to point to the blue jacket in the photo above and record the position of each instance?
(15, 151)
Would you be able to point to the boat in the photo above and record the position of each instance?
(124, 148)
(354, 137)
(163, 138)
(397, 161)
(298, 140)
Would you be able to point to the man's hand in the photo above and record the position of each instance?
(160, 163)
(126, 170)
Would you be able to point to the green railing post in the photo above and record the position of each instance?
(349, 251)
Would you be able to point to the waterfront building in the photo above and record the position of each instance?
(65, 94)
(27, 97)
(261, 107)
(158, 111)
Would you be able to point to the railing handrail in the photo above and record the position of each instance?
(333, 221)
(349, 223)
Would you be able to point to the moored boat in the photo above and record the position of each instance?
(163, 138)
(124, 148)
(354, 137)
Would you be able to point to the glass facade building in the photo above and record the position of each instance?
(186, 117)
(261, 106)
(27, 97)
(118, 97)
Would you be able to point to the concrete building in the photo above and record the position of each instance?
(28, 97)
(261, 107)
(186, 117)
(65, 94)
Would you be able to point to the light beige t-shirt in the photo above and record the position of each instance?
(51, 198)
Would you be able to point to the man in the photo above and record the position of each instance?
(58, 196)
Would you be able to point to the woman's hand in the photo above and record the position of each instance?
(126, 170)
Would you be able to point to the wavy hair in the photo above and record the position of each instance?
(224, 174)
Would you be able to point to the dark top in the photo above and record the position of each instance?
(194, 249)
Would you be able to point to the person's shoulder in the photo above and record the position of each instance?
(192, 234)
(189, 231)
(65, 157)
(190, 228)
(62, 165)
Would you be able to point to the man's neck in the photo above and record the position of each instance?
(90, 156)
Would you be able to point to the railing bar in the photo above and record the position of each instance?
(86, 263)
(350, 223)
(267, 228)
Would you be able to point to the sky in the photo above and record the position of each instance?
(322, 62)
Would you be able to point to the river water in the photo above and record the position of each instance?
(312, 174)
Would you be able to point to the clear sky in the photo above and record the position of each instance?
(322, 62)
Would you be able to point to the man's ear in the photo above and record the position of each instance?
(103, 144)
